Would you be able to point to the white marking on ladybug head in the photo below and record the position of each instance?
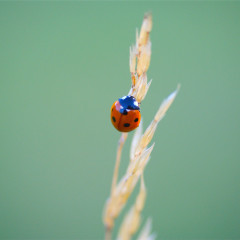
(124, 97)
(135, 103)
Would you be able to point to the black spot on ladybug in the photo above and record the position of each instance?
(136, 119)
(112, 109)
(114, 119)
(126, 124)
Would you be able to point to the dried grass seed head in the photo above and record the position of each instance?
(145, 234)
(132, 219)
(145, 29)
(144, 58)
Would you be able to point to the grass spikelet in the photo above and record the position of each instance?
(125, 187)
(135, 141)
(140, 55)
(148, 134)
(145, 29)
(133, 217)
(144, 58)
(146, 231)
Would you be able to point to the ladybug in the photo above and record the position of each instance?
(125, 114)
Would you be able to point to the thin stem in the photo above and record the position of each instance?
(118, 158)
(108, 233)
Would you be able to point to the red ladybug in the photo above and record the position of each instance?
(125, 114)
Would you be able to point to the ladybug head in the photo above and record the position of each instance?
(128, 103)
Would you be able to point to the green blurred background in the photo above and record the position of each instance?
(62, 65)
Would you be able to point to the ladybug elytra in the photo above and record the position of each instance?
(125, 114)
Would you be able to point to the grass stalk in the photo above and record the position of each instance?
(140, 56)
(108, 233)
(118, 159)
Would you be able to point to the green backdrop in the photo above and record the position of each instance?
(63, 64)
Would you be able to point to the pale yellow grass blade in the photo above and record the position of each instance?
(146, 231)
(145, 29)
(136, 138)
(132, 219)
(148, 134)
